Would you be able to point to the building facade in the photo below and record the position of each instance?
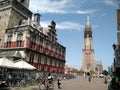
(116, 47)
(98, 67)
(88, 61)
(12, 12)
(36, 45)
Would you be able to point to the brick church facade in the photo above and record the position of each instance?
(89, 64)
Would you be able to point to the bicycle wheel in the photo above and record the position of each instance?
(8, 87)
(50, 85)
(42, 87)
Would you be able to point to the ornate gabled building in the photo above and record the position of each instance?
(12, 12)
(33, 43)
(88, 61)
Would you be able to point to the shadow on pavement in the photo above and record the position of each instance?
(33, 89)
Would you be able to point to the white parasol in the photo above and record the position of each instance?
(5, 62)
(24, 65)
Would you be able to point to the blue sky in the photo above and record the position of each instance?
(70, 17)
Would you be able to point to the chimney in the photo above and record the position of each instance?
(37, 19)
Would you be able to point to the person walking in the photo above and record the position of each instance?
(105, 80)
(59, 83)
(89, 78)
(10, 79)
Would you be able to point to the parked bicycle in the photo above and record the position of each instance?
(4, 83)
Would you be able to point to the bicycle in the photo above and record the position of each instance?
(4, 85)
(46, 85)
(50, 85)
(42, 85)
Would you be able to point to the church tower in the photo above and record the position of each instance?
(12, 12)
(88, 62)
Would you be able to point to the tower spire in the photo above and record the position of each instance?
(88, 29)
(88, 62)
(88, 26)
(88, 18)
(88, 35)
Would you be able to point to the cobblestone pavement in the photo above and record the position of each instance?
(79, 83)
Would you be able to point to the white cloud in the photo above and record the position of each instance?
(109, 2)
(70, 26)
(86, 11)
(58, 6)
(49, 6)
(45, 23)
(65, 25)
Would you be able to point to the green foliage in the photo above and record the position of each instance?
(81, 72)
(75, 71)
(105, 72)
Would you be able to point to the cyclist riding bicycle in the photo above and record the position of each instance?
(50, 81)
(49, 78)
(47, 83)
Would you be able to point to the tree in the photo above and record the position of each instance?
(105, 72)
(75, 71)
